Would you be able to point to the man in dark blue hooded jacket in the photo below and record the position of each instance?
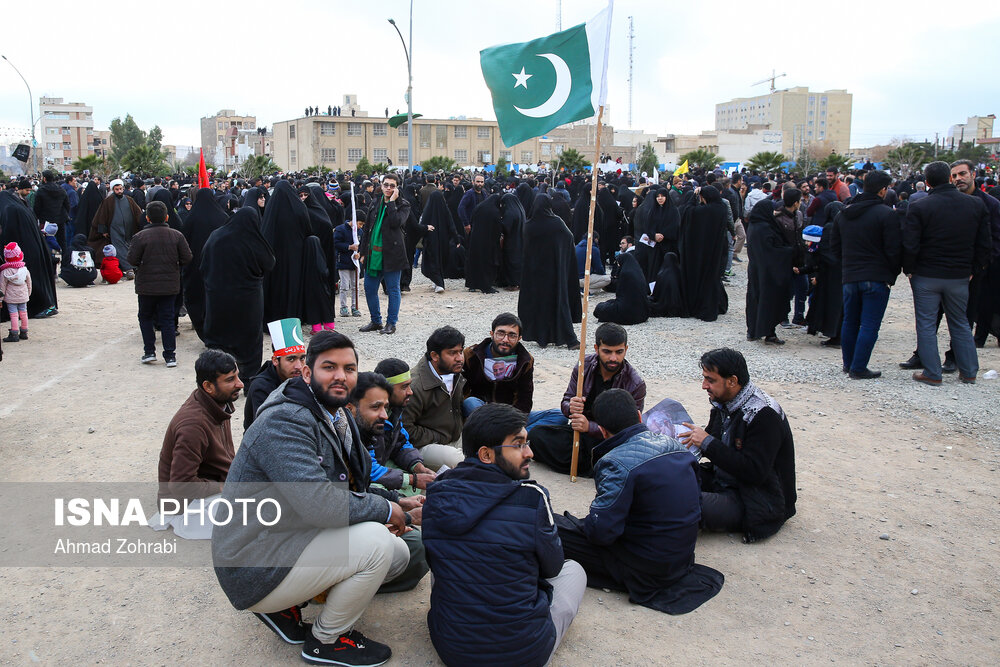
(492, 544)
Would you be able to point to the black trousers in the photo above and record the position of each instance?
(158, 311)
(721, 512)
(603, 569)
(553, 446)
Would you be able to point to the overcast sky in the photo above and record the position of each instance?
(171, 64)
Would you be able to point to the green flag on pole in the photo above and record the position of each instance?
(550, 81)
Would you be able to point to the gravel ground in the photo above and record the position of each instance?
(890, 559)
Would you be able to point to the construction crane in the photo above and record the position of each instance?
(771, 79)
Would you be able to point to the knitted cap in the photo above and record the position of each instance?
(51, 228)
(12, 252)
(109, 251)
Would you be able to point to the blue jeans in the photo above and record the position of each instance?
(371, 296)
(535, 418)
(864, 306)
(953, 293)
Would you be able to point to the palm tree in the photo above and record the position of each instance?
(144, 159)
(571, 160)
(257, 166)
(766, 161)
(841, 162)
(86, 163)
(701, 157)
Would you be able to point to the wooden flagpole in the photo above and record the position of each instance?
(595, 174)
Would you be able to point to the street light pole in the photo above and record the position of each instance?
(409, 90)
(31, 106)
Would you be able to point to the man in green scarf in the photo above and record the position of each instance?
(383, 253)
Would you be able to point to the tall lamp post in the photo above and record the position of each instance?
(31, 106)
(409, 90)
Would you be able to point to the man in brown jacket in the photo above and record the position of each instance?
(157, 254)
(198, 445)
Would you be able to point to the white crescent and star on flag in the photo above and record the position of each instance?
(560, 93)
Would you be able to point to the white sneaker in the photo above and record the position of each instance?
(438, 289)
(148, 358)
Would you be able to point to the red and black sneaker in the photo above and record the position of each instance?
(287, 624)
(351, 649)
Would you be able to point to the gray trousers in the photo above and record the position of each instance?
(567, 593)
(374, 556)
(953, 294)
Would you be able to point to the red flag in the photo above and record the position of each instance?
(202, 173)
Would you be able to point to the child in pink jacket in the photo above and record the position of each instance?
(15, 284)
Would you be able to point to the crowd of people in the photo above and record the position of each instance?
(426, 467)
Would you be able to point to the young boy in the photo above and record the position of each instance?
(343, 239)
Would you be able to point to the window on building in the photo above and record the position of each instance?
(441, 136)
(218, 138)
(52, 130)
(327, 129)
(461, 155)
(380, 154)
(482, 133)
(354, 155)
(250, 125)
(380, 130)
(65, 130)
(507, 155)
(560, 148)
(104, 142)
(218, 125)
(403, 130)
(354, 130)
(239, 124)
(67, 146)
(461, 132)
(546, 149)
(425, 136)
(481, 156)
(67, 160)
(291, 131)
(291, 157)
(403, 155)
(328, 154)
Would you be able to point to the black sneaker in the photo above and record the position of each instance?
(148, 358)
(352, 649)
(911, 363)
(287, 624)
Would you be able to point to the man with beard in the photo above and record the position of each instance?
(498, 565)
(198, 445)
(117, 220)
(304, 435)
(499, 369)
(286, 362)
(750, 485)
(433, 416)
(470, 201)
(369, 405)
(606, 369)
(640, 534)
(984, 290)
(393, 444)
(772, 248)
(946, 244)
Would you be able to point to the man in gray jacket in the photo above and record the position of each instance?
(304, 454)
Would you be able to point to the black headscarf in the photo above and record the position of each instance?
(19, 224)
(512, 222)
(285, 225)
(484, 255)
(438, 244)
(90, 200)
(526, 195)
(322, 229)
(205, 217)
(234, 261)
(631, 302)
(250, 200)
(549, 309)
(163, 196)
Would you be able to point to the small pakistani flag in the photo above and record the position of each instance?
(547, 82)
(286, 337)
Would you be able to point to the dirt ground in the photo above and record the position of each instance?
(825, 589)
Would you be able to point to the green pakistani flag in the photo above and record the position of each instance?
(550, 81)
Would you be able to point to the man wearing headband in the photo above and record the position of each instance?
(394, 444)
(286, 362)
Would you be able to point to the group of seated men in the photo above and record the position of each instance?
(429, 466)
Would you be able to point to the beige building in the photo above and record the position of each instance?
(224, 136)
(102, 143)
(975, 129)
(67, 132)
(802, 116)
(339, 142)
